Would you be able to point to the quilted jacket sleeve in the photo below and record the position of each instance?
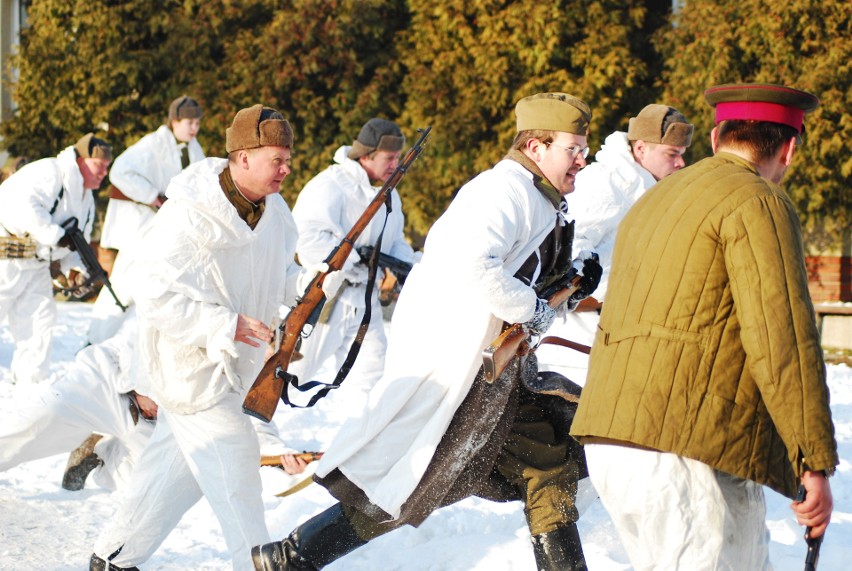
(765, 260)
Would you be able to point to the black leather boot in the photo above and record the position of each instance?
(98, 564)
(279, 556)
(559, 550)
(324, 538)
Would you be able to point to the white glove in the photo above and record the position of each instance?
(354, 271)
(330, 285)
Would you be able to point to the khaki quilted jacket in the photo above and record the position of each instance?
(707, 345)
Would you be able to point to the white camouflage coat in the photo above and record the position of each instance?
(203, 266)
(326, 210)
(328, 207)
(452, 306)
(605, 191)
(28, 197)
(26, 292)
(142, 172)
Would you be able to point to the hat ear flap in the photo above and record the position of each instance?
(678, 135)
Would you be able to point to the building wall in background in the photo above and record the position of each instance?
(830, 278)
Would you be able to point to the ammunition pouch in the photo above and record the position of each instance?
(15, 248)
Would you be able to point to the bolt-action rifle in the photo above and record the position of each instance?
(262, 398)
(513, 341)
(90, 260)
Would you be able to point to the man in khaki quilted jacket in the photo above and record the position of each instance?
(706, 379)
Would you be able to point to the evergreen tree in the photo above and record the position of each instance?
(113, 68)
(469, 62)
(805, 44)
(328, 66)
(85, 65)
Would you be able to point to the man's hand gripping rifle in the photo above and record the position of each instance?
(262, 398)
(514, 339)
(571, 288)
(78, 243)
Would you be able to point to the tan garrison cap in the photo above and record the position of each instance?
(258, 126)
(377, 135)
(761, 102)
(184, 107)
(90, 147)
(660, 124)
(553, 112)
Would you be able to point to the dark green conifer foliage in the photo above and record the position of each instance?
(459, 65)
(327, 65)
(805, 44)
(94, 64)
(469, 61)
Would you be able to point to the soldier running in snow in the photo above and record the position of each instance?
(219, 264)
(328, 206)
(139, 178)
(627, 165)
(37, 200)
(434, 431)
(142, 172)
(95, 393)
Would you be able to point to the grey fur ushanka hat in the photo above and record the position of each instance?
(377, 135)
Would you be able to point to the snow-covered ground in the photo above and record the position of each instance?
(45, 527)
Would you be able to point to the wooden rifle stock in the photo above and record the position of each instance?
(262, 398)
(276, 460)
(513, 341)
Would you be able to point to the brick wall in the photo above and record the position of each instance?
(829, 278)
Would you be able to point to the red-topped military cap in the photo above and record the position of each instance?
(761, 102)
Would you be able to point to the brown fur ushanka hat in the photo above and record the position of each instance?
(184, 107)
(258, 126)
(660, 124)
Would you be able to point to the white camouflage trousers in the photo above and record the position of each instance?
(52, 419)
(676, 513)
(212, 453)
(26, 298)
